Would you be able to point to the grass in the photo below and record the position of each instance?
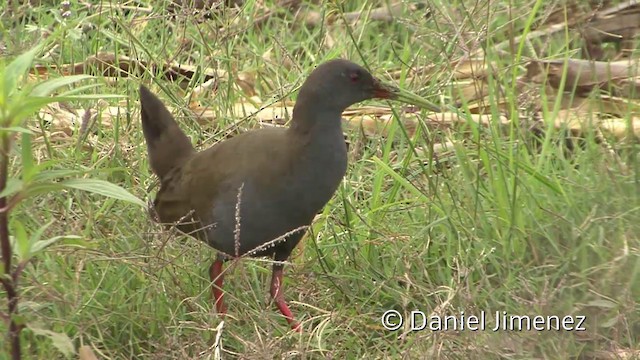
(505, 221)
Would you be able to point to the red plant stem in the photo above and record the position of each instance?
(4, 229)
(5, 246)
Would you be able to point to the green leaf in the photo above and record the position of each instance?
(17, 129)
(77, 241)
(531, 171)
(28, 167)
(400, 179)
(38, 189)
(22, 242)
(26, 247)
(13, 186)
(61, 341)
(46, 88)
(103, 188)
(88, 97)
(78, 89)
(43, 181)
(40, 245)
(30, 105)
(38, 233)
(56, 174)
(602, 303)
(26, 107)
(610, 323)
(17, 68)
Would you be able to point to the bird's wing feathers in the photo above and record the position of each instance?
(196, 185)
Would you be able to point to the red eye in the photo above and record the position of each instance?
(354, 76)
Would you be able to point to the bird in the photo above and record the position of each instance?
(254, 194)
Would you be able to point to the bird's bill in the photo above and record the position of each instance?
(416, 100)
(385, 91)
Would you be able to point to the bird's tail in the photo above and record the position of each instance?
(167, 145)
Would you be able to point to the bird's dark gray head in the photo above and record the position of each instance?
(338, 84)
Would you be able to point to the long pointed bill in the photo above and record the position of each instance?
(385, 91)
(413, 99)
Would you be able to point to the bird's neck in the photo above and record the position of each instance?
(320, 157)
(314, 120)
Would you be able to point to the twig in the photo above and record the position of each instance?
(236, 230)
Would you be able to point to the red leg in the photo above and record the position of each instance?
(217, 277)
(278, 297)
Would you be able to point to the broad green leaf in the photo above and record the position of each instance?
(28, 167)
(46, 88)
(31, 105)
(13, 186)
(25, 107)
(16, 129)
(77, 241)
(17, 68)
(56, 174)
(22, 242)
(61, 341)
(40, 245)
(79, 89)
(603, 304)
(88, 97)
(611, 322)
(38, 233)
(35, 245)
(103, 188)
(38, 189)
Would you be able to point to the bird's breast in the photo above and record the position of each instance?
(319, 173)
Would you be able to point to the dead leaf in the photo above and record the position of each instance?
(581, 75)
(86, 353)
